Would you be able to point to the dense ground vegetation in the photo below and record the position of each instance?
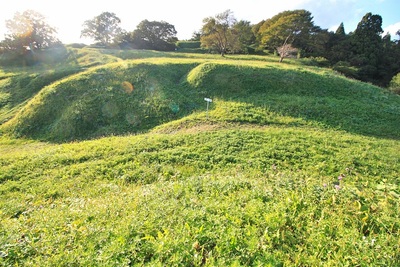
(111, 159)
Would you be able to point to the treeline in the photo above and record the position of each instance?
(365, 54)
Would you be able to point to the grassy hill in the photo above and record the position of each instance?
(133, 96)
(292, 165)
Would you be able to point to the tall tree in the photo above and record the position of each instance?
(243, 29)
(29, 31)
(288, 27)
(367, 37)
(338, 46)
(102, 28)
(195, 36)
(218, 34)
(367, 47)
(156, 35)
(340, 30)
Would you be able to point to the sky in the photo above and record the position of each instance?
(187, 16)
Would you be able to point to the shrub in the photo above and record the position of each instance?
(316, 61)
(394, 85)
(347, 70)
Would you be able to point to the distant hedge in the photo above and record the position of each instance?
(188, 44)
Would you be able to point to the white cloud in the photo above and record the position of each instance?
(392, 29)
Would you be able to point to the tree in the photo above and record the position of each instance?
(195, 36)
(367, 47)
(340, 30)
(367, 40)
(364, 54)
(28, 31)
(394, 85)
(218, 33)
(338, 46)
(156, 35)
(285, 51)
(291, 27)
(243, 29)
(388, 64)
(102, 28)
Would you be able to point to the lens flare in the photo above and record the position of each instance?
(128, 87)
(110, 110)
(132, 119)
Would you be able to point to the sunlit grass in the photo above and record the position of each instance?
(95, 102)
(290, 166)
(250, 196)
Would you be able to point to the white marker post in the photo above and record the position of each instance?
(208, 100)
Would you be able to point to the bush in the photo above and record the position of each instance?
(394, 85)
(316, 61)
(51, 55)
(254, 50)
(346, 69)
(13, 58)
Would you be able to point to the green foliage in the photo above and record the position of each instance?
(152, 35)
(220, 34)
(49, 57)
(288, 27)
(29, 40)
(190, 47)
(28, 31)
(367, 47)
(340, 30)
(102, 28)
(395, 84)
(346, 69)
(246, 36)
(188, 44)
(316, 61)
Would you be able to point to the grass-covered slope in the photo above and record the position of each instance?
(16, 87)
(291, 166)
(20, 85)
(135, 96)
(114, 99)
(242, 197)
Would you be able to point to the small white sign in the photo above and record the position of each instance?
(208, 99)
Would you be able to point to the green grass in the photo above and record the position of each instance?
(291, 165)
(134, 96)
(251, 196)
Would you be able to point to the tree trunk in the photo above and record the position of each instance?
(223, 52)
